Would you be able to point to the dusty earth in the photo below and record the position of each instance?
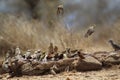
(112, 73)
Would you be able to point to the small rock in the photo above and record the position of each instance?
(9, 76)
(68, 78)
(118, 67)
(87, 76)
(1, 77)
(112, 75)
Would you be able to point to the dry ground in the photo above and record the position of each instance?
(104, 74)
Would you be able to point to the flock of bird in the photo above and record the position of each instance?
(38, 56)
(43, 57)
(51, 55)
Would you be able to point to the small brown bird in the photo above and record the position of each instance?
(60, 10)
(90, 31)
(17, 51)
(80, 55)
(50, 49)
(115, 46)
(67, 53)
(55, 49)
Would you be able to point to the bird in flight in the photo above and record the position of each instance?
(90, 31)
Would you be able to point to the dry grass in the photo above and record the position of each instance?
(33, 34)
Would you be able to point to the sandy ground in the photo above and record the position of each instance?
(104, 74)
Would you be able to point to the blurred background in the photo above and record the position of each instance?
(33, 24)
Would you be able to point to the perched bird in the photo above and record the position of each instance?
(27, 55)
(43, 54)
(50, 53)
(55, 49)
(36, 56)
(17, 51)
(33, 56)
(45, 58)
(18, 56)
(6, 65)
(56, 57)
(56, 54)
(81, 56)
(7, 55)
(50, 49)
(90, 31)
(59, 56)
(64, 54)
(60, 10)
(67, 53)
(115, 46)
(11, 66)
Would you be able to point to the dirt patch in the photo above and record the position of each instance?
(104, 74)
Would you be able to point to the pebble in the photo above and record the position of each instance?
(0, 77)
(68, 78)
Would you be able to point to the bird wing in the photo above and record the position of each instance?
(89, 32)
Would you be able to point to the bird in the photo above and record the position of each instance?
(60, 10)
(27, 55)
(36, 56)
(7, 55)
(6, 66)
(50, 49)
(12, 67)
(43, 54)
(80, 54)
(50, 53)
(18, 56)
(114, 45)
(90, 31)
(17, 51)
(55, 49)
(56, 54)
(45, 60)
(67, 53)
